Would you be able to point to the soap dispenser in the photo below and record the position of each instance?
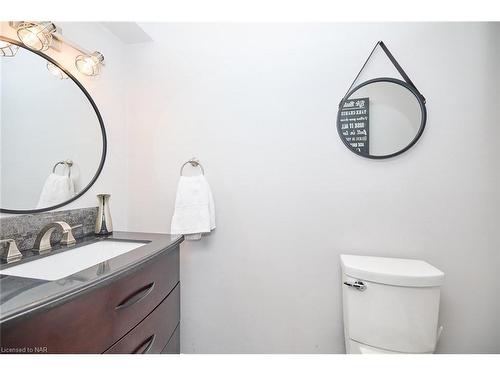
(103, 223)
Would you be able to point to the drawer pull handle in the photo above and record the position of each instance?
(136, 297)
(148, 343)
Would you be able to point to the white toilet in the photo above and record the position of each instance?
(390, 305)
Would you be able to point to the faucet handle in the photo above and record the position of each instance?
(68, 238)
(12, 253)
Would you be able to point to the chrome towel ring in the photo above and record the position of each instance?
(194, 163)
(67, 163)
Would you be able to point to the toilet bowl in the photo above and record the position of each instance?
(390, 305)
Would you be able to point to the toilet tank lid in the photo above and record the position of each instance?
(392, 271)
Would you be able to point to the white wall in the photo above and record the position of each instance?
(257, 104)
(107, 92)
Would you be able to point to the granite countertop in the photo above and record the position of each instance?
(19, 295)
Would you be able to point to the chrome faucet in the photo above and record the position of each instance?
(42, 242)
(11, 253)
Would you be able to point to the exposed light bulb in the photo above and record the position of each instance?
(90, 64)
(36, 35)
(56, 71)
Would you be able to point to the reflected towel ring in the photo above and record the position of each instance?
(67, 163)
(194, 163)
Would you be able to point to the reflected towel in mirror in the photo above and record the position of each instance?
(57, 189)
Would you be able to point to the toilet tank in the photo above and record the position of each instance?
(391, 303)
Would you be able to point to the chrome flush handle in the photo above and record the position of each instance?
(359, 285)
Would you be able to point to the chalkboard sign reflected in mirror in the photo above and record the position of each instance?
(382, 117)
(354, 124)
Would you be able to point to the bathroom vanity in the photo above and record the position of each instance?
(128, 303)
(63, 289)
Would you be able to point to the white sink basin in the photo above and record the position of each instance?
(57, 266)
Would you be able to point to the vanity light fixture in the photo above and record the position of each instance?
(36, 35)
(56, 71)
(8, 49)
(90, 64)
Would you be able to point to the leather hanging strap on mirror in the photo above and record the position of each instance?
(393, 61)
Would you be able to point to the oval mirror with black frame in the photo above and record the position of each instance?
(53, 140)
(381, 118)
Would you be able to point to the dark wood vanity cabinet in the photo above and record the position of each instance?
(134, 312)
(153, 333)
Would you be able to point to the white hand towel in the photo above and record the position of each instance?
(57, 189)
(194, 208)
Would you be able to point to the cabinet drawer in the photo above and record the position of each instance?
(153, 333)
(92, 321)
